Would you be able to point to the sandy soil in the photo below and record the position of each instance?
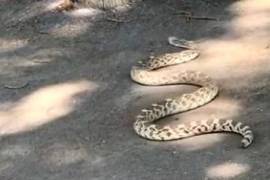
(67, 103)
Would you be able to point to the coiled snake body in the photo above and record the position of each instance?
(144, 124)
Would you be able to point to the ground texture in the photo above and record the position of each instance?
(67, 103)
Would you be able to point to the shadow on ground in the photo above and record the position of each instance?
(73, 118)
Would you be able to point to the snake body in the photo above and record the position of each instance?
(145, 122)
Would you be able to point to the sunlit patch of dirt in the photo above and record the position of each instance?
(227, 170)
(9, 45)
(70, 30)
(42, 106)
(241, 54)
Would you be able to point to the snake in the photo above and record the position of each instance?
(145, 124)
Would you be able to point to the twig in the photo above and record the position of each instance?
(16, 87)
(189, 17)
(183, 13)
(43, 32)
(116, 20)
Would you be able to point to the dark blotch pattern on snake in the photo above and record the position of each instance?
(145, 122)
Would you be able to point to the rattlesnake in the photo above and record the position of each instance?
(144, 124)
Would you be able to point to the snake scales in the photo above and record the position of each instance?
(145, 122)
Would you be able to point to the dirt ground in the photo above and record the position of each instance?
(67, 102)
